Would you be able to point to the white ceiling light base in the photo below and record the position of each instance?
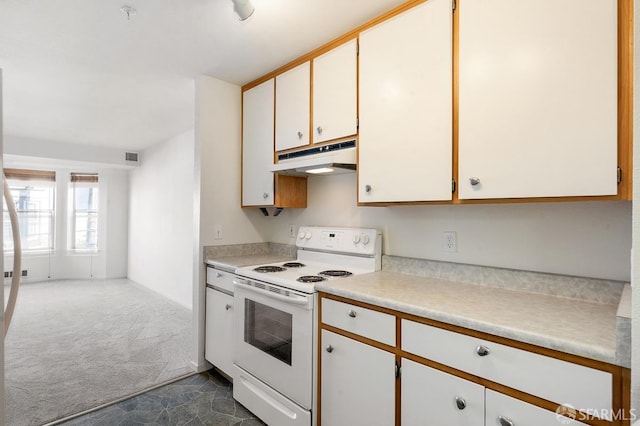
(129, 11)
(243, 8)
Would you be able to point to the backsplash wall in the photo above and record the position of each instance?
(590, 239)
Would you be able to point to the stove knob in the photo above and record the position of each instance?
(301, 235)
(365, 239)
(307, 235)
(356, 239)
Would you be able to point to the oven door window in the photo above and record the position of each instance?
(268, 329)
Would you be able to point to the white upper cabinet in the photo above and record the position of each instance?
(335, 93)
(257, 145)
(538, 98)
(405, 144)
(292, 107)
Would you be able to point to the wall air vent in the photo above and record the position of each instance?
(317, 150)
(131, 157)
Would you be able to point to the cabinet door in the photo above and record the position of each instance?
(502, 410)
(335, 93)
(292, 107)
(357, 383)
(219, 329)
(431, 397)
(538, 98)
(405, 151)
(257, 145)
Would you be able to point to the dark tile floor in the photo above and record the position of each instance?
(203, 399)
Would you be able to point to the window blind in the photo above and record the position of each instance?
(84, 177)
(22, 174)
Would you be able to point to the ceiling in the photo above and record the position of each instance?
(77, 71)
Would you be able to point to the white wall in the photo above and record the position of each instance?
(161, 219)
(217, 189)
(110, 260)
(590, 239)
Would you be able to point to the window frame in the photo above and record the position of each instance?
(18, 179)
(83, 180)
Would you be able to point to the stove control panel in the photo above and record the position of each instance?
(365, 241)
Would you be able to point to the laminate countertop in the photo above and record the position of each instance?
(578, 327)
(230, 263)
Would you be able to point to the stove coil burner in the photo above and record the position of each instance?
(294, 265)
(269, 269)
(310, 279)
(335, 273)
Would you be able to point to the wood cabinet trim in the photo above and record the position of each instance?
(348, 36)
(523, 396)
(621, 377)
(552, 353)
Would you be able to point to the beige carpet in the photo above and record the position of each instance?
(74, 345)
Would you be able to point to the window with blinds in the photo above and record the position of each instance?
(84, 193)
(33, 192)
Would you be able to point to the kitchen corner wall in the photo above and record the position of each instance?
(161, 219)
(217, 187)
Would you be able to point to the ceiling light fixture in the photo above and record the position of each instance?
(128, 10)
(243, 8)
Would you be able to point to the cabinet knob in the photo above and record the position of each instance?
(265, 195)
(227, 307)
(367, 189)
(319, 130)
(300, 134)
(474, 181)
(218, 274)
(329, 348)
(482, 350)
(352, 313)
(505, 421)
(461, 403)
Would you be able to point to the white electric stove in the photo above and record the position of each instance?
(275, 320)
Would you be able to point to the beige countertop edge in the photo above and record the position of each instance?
(591, 351)
(230, 263)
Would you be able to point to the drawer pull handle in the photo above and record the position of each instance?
(505, 421)
(482, 350)
(218, 275)
(227, 307)
(352, 313)
(329, 348)
(461, 403)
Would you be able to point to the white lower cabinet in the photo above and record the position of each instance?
(219, 330)
(358, 383)
(432, 397)
(502, 410)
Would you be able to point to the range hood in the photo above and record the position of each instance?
(335, 158)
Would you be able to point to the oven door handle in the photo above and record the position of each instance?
(292, 298)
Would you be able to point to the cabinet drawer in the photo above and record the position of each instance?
(548, 378)
(441, 398)
(520, 413)
(365, 322)
(220, 279)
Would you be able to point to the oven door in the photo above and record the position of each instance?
(273, 337)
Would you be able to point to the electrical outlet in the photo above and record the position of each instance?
(449, 241)
(292, 231)
(24, 272)
(217, 232)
